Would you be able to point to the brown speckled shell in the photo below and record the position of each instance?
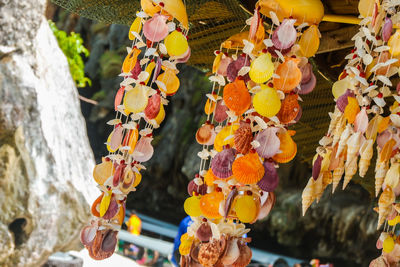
(243, 138)
(245, 256)
(209, 253)
(289, 109)
(204, 133)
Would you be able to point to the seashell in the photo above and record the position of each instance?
(246, 208)
(267, 206)
(186, 244)
(234, 67)
(136, 26)
(118, 97)
(221, 164)
(220, 112)
(243, 138)
(170, 80)
(229, 201)
(153, 106)
(115, 138)
(205, 134)
(135, 100)
(308, 87)
(223, 66)
(135, 72)
(209, 253)
(379, 262)
(316, 169)
(244, 258)
(395, 119)
(366, 153)
(380, 173)
(338, 173)
(342, 101)
(289, 75)
(309, 41)
(387, 29)
(204, 232)
(156, 28)
(118, 174)
(96, 250)
(103, 171)
(143, 150)
(217, 61)
(341, 86)
(267, 95)
(288, 148)
(225, 137)
(334, 159)
(306, 71)
(350, 170)
(276, 53)
(361, 121)
(198, 189)
(176, 44)
(270, 180)
(289, 109)
(308, 195)
(112, 209)
(262, 68)
(351, 110)
(318, 188)
(392, 176)
(285, 35)
(385, 202)
(393, 43)
(248, 169)
(192, 206)
(87, 235)
(185, 57)
(237, 97)
(130, 60)
(209, 204)
(372, 129)
(157, 69)
(95, 209)
(387, 150)
(209, 107)
(232, 252)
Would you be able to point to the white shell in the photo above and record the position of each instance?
(274, 18)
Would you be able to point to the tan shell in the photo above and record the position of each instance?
(209, 253)
(381, 169)
(245, 256)
(243, 138)
(308, 195)
(366, 153)
(350, 170)
(338, 173)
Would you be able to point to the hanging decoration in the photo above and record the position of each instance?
(255, 97)
(159, 35)
(366, 116)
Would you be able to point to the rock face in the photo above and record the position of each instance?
(45, 158)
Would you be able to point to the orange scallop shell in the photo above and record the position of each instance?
(94, 210)
(248, 169)
(289, 109)
(209, 204)
(236, 96)
(289, 75)
(209, 253)
(204, 133)
(288, 148)
(243, 138)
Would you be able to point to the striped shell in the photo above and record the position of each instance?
(248, 169)
(243, 138)
(289, 109)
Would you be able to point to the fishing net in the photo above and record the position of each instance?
(211, 23)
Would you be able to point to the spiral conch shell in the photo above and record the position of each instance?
(338, 173)
(381, 168)
(308, 195)
(385, 202)
(366, 153)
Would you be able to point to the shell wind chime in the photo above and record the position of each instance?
(255, 97)
(159, 36)
(364, 119)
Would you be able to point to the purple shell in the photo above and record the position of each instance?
(109, 241)
(271, 179)
(112, 210)
(308, 87)
(306, 71)
(398, 88)
(204, 232)
(272, 49)
(387, 29)
(157, 69)
(229, 201)
(118, 174)
(342, 101)
(285, 35)
(223, 66)
(136, 70)
(88, 233)
(269, 142)
(193, 187)
(221, 164)
(220, 112)
(316, 169)
(235, 66)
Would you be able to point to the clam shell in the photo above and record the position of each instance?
(232, 252)
(223, 65)
(289, 109)
(199, 189)
(156, 28)
(205, 133)
(243, 138)
(248, 169)
(387, 29)
(306, 88)
(112, 209)
(209, 253)
(204, 232)
(220, 114)
(306, 71)
(221, 164)
(109, 241)
(237, 97)
(267, 206)
(245, 256)
(316, 167)
(269, 142)
(143, 150)
(235, 66)
(342, 101)
(153, 106)
(88, 233)
(285, 34)
(270, 179)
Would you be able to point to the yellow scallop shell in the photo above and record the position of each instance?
(103, 171)
(135, 100)
(246, 208)
(262, 68)
(176, 43)
(266, 102)
(135, 27)
(171, 81)
(309, 41)
(192, 206)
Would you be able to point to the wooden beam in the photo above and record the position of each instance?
(337, 39)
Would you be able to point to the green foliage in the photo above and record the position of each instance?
(73, 48)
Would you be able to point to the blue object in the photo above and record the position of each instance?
(184, 224)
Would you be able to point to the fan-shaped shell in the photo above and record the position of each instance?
(88, 233)
(205, 133)
(289, 75)
(221, 164)
(232, 252)
(225, 137)
(136, 99)
(308, 87)
(223, 65)
(267, 102)
(309, 41)
(234, 67)
(144, 149)
(209, 253)
(351, 110)
(237, 97)
(198, 189)
(269, 142)
(248, 169)
(156, 29)
(246, 208)
(153, 106)
(270, 179)
(361, 121)
(204, 232)
(209, 107)
(171, 81)
(176, 43)
(130, 60)
(245, 256)
(103, 171)
(220, 112)
(112, 209)
(393, 43)
(343, 101)
(243, 138)
(288, 148)
(115, 138)
(209, 204)
(262, 68)
(289, 109)
(285, 34)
